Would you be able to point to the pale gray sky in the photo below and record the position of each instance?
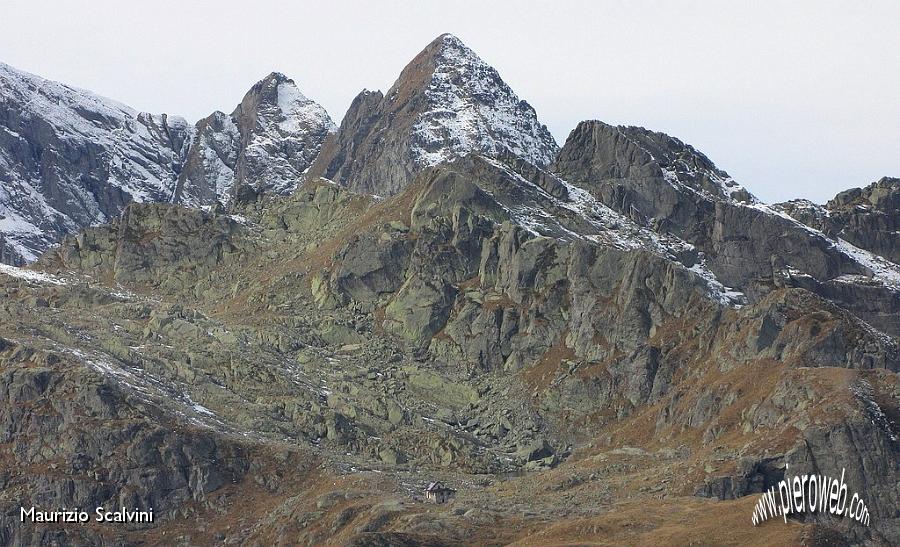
(794, 99)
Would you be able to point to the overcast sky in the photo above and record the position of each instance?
(793, 99)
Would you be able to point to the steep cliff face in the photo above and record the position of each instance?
(670, 188)
(208, 175)
(446, 103)
(69, 159)
(870, 217)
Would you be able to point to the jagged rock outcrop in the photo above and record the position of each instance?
(148, 236)
(446, 103)
(869, 217)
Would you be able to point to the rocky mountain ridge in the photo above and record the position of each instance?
(71, 159)
(866, 217)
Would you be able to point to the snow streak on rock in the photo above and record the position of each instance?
(609, 228)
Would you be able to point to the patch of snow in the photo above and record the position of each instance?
(883, 270)
(146, 386)
(299, 113)
(202, 409)
(725, 295)
(30, 275)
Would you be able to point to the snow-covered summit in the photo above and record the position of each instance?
(446, 103)
(471, 109)
(283, 131)
(266, 144)
(298, 112)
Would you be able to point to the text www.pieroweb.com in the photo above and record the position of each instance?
(810, 494)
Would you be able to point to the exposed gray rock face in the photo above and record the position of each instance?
(101, 436)
(210, 163)
(265, 145)
(870, 217)
(456, 326)
(194, 242)
(69, 159)
(591, 318)
(446, 103)
(670, 188)
(865, 438)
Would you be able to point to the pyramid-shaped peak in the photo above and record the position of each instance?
(468, 108)
(446, 103)
(446, 53)
(449, 43)
(264, 145)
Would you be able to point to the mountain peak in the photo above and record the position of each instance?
(446, 103)
(448, 45)
(266, 144)
(473, 110)
(271, 87)
(452, 46)
(277, 77)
